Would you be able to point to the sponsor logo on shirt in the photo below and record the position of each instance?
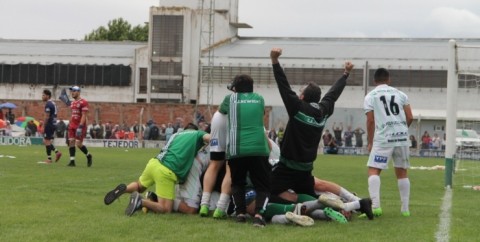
(380, 159)
(214, 142)
(247, 101)
(396, 140)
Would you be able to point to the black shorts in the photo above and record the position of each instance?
(49, 131)
(284, 178)
(217, 156)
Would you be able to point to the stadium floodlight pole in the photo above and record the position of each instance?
(451, 119)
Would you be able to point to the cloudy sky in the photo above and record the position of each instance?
(72, 19)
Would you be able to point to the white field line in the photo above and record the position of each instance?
(443, 231)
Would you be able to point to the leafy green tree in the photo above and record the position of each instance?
(139, 33)
(118, 30)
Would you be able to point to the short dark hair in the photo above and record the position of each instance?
(191, 126)
(242, 83)
(311, 93)
(381, 75)
(47, 92)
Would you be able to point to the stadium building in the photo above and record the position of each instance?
(194, 51)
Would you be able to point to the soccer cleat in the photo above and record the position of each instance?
(366, 207)
(335, 216)
(300, 209)
(47, 161)
(204, 211)
(135, 204)
(219, 214)
(332, 201)
(241, 218)
(406, 214)
(377, 212)
(114, 194)
(258, 222)
(57, 156)
(301, 220)
(72, 163)
(89, 160)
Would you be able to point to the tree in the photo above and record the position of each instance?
(119, 29)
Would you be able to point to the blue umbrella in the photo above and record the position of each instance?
(8, 105)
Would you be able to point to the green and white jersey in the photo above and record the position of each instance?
(387, 104)
(178, 154)
(245, 136)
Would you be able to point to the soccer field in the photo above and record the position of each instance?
(58, 203)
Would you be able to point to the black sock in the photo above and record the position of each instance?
(72, 151)
(84, 149)
(49, 152)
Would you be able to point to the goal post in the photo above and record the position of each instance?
(462, 143)
(451, 119)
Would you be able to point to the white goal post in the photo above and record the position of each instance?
(463, 61)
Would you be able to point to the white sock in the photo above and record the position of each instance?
(374, 190)
(404, 188)
(350, 206)
(312, 205)
(280, 219)
(318, 214)
(223, 202)
(205, 198)
(176, 204)
(345, 194)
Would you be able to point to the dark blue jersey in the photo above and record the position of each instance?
(51, 110)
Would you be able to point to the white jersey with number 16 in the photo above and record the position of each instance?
(387, 104)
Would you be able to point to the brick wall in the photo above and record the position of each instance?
(119, 113)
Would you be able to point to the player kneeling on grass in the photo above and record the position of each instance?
(169, 167)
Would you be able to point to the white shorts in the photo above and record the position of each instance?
(218, 133)
(380, 156)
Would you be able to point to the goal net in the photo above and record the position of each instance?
(462, 155)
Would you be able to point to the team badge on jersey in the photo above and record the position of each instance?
(380, 159)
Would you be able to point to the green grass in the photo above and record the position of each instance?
(59, 203)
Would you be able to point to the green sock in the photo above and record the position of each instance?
(304, 198)
(277, 209)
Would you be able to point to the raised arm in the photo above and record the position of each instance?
(289, 97)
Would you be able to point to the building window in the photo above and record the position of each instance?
(296, 76)
(415, 78)
(167, 68)
(142, 86)
(167, 86)
(167, 35)
(66, 74)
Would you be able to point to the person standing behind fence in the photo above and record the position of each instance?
(436, 142)
(337, 133)
(358, 132)
(348, 135)
(168, 132)
(413, 142)
(426, 140)
(247, 146)
(388, 117)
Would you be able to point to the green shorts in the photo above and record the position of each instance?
(163, 178)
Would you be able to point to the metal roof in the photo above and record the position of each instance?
(426, 50)
(67, 52)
